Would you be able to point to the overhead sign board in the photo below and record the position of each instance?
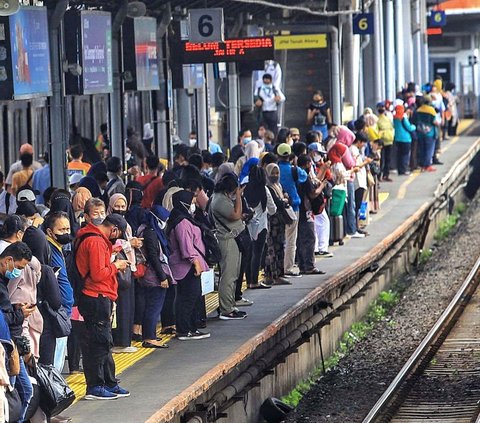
(298, 42)
(362, 24)
(206, 25)
(235, 50)
(437, 18)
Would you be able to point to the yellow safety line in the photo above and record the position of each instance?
(402, 191)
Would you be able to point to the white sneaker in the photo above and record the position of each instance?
(120, 350)
(358, 235)
(243, 303)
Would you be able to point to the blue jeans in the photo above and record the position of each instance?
(351, 215)
(403, 156)
(426, 145)
(23, 387)
(154, 299)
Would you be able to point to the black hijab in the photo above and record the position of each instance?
(181, 201)
(135, 213)
(60, 202)
(255, 190)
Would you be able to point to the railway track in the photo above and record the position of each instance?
(441, 380)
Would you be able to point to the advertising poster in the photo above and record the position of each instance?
(97, 52)
(30, 53)
(146, 53)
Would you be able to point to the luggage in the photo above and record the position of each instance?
(337, 230)
(337, 202)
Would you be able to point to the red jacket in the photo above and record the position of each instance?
(152, 185)
(94, 261)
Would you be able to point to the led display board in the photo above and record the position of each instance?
(234, 50)
(25, 54)
(88, 43)
(140, 53)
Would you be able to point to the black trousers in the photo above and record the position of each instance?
(255, 258)
(168, 310)
(270, 120)
(386, 158)
(306, 244)
(189, 292)
(74, 345)
(98, 364)
(47, 343)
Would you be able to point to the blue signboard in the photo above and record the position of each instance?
(145, 30)
(96, 52)
(363, 24)
(437, 18)
(30, 53)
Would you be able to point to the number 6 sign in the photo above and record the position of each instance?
(363, 23)
(206, 25)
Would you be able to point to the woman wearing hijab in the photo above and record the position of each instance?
(60, 202)
(158, 277)
(187, 263)
(260, 200)
(81, 196)
(135, 213)
(276, 235)
(224, 169)
(251, 158)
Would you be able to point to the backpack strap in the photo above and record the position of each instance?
(7, 202)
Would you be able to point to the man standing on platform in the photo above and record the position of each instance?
(93, 254)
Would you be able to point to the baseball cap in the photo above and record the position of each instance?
(380, 104)
(75, 178)
(284, 150)
(294, 131)
(26, 194)
(316, 146)
(118, 221)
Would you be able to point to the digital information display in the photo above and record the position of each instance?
(145, 30)
(96, 30)
(30, 53)
(235, 50)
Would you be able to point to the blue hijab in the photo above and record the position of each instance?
(246, 168)
(152, 218)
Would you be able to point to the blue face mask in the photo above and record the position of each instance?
(13, 274)
(246, 140)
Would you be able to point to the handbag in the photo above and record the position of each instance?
(282, 208)
(55, 394)
(14, 361)
(140, 263)
(15, 407)
(61, 324)
(242, 239)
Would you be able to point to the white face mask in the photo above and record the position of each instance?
(317, 158)
(128, 156)
(192, 142)
(161, 223)
(29, 222)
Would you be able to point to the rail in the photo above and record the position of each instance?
(439, 330)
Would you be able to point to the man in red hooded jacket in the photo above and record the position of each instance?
(93, 257)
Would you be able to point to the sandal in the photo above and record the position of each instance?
(314, 271)
(146, 344)
(168, 331)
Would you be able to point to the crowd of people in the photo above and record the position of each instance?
(118, 253)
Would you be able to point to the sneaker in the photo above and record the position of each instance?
(118, 391)
(100, 393)
(200, 335)
(243, 302)
(358, 235)
(324, 254)
(430, 169)
(234, 315)
(120, 350)
(292, 275)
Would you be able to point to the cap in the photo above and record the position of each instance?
(75, 178)
(26, 208)
(118, 221)
(294, 131)
(316, 146)
(380, 104)
(284, 150)
(26, 195)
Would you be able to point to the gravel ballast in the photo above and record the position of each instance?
(347, 392)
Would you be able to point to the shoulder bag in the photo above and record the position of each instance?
(61, 324)
(242, 239)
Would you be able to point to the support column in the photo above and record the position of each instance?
(349, 65)
(378, 86)
(389, 51)
(424, 42)
(400, 43)
(408, 41)
(233, 104)
(202, 114)
(417, 42)
(115, 127)
(58, 137)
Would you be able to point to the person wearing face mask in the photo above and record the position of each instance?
(237, 151)
(61, 202)
(267, 99)
(187, 264)
(57, 229)
(98, 267)
(122, 334)
(13, 259)
(192, 139)
(158, 277)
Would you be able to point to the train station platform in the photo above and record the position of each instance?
(163, 382)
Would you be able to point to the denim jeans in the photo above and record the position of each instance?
(154, 299)
(403, 156)
(426, 146)
(351, 216)
(24, 387)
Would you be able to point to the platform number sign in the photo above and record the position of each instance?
(206, 25)
(363, 24)
(437, 18)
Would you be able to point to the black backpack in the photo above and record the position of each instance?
(74, 276)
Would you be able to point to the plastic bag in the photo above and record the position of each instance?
(55, 394)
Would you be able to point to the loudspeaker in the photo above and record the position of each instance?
(9, 7)
(136, 9)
